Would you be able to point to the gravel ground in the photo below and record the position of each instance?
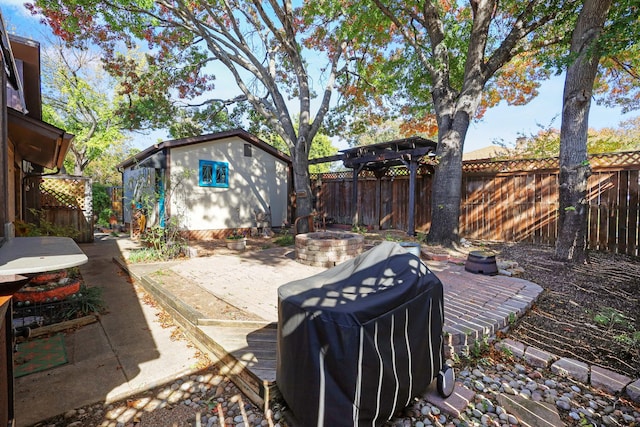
(210, 399)
(206, 399)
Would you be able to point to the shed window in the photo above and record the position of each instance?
(247, 150)
(213, 174)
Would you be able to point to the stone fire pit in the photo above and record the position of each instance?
(327, 248)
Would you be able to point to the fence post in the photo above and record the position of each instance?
(413, 171)
(354, 196)
(378, 207)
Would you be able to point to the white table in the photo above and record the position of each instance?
(22, 255)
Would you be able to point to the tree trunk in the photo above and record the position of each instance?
(447, 181)
(79, 160)
(301, 182)
(571, 244)
(454, 110)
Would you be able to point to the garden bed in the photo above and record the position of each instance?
(53, 297)
(586, 312)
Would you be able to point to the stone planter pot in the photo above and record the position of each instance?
(412, 247)
(236, 244)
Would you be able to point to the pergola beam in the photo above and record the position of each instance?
(378, 158)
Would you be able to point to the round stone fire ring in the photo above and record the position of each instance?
(327, 248)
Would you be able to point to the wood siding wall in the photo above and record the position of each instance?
(510, 201)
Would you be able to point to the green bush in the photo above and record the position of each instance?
(87, 301)
(164, 243)
(101, 204)
(285, 240)
(44, 227)
(145, 255)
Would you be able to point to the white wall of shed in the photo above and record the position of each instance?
(255, 184)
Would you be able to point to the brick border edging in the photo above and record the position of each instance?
(593, 375)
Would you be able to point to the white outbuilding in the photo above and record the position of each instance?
(208, 184)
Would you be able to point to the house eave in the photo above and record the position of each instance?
(36, 141)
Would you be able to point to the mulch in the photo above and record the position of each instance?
(588, 312)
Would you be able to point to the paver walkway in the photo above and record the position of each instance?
(249, 280)
(476, 306)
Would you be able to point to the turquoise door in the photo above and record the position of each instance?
(160, 183)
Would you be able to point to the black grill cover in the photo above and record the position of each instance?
(358, 341)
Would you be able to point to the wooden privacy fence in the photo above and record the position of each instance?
(510, 201)
(383, 203)
(65, 201)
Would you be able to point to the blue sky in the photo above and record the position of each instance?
(502, 123)
(18, 20)
(508, 122)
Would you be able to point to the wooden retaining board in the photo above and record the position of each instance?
(248, 354)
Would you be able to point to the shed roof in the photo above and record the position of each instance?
(154, 153)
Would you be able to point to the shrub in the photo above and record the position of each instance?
(44, 227)
(101, 204)
(164, 243)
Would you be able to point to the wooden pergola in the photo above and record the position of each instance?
(378, 158)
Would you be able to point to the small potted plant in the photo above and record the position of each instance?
(236, 241)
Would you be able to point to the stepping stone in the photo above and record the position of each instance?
(454, 405)
(571, 368)
(538, 358)
(633, 391)
(609, 381)
(529, 412)
(516, 348)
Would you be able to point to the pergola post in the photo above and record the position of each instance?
(379, 173)
(354, 196)
(413, 172)
(379, 158)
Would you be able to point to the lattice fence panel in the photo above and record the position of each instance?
(66, 201)
(597, 161)
(63, 192)
(400, 171)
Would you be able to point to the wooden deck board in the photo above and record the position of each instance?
(230, 334)
(254, 348)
